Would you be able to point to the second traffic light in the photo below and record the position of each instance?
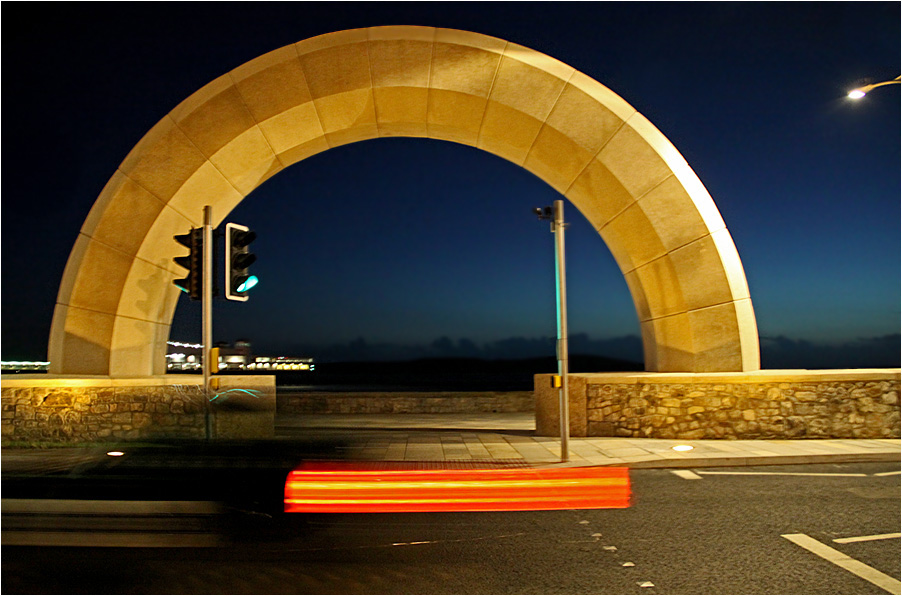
(192, 283)
(238, 259)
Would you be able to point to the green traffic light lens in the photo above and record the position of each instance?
(247, 284)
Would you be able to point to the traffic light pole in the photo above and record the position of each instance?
(207, 317)
(562, 351)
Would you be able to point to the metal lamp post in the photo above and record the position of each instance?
(556, 215)
(207, 319)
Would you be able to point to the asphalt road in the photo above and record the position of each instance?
(721, 532)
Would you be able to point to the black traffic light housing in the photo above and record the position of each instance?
(192, 283)
(238, 259)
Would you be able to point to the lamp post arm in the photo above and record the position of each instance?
(895, 81)
(861, 91)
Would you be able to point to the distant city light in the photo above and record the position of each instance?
(237, 357)
(24, 366)
(184, 345)
(115, 453)
(23, 363)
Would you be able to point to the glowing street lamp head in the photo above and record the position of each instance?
(856, 94)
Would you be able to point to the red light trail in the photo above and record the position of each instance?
(347, 488)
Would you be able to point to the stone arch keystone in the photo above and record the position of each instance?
(116, 300)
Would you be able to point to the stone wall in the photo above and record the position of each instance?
(50, 408)
(764, 404)
(405, 403)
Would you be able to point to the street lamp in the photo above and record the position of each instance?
(556, 215)
(860, 92)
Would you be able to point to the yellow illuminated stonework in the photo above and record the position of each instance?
(116, 299)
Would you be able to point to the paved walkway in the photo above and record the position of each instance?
(456, 437)
(508, 439)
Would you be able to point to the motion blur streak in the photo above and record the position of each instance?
(342, 488)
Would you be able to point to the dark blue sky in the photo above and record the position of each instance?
(403, 241)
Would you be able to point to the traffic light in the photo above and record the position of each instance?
(192, 284)
(237, 260)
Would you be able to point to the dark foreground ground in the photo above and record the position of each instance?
(714, 534)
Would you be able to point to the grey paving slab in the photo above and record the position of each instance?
(532, 451)
(625, 451)
(488, 438)
(424, 452)
(478, 451)
(502, 450)
(396, 451)
(766, 447)
(456, 452)
(584, 450)
(731, 447)
(610, 443)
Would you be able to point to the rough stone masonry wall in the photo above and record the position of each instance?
(101, 413)
(405, 403)
(787, 405)
(40, 408)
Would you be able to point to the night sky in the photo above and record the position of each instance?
(402, 248)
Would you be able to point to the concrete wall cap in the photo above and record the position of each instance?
(17, 381)
(760, 376)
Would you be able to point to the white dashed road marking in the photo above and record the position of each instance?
(687, 474)
(777, 474)
(893, 473)
(865, 572)
(867, 538)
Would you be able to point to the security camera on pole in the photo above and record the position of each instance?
(556, 215)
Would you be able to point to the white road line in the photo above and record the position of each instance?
(867, 538)
(865, 572)
(686, 474)
(778, 474)
(893, 473)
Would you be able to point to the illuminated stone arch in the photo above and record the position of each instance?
(116, 299)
